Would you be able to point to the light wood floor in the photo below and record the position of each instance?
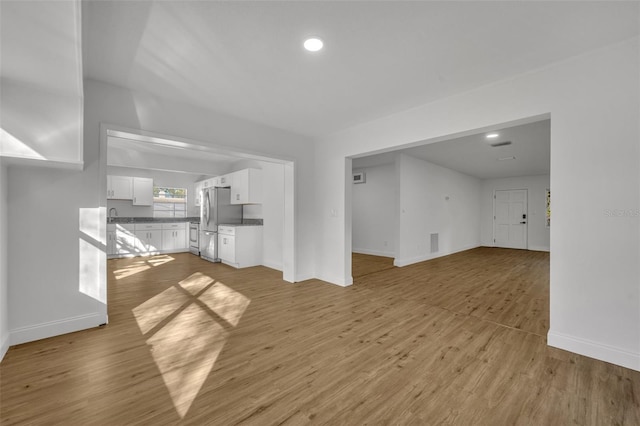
(457, 340)
(365, 264)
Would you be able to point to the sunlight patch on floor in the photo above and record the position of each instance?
(195, 283)
(141, 265)
(226, 302)
(185, 350)
(186, 327)
(155, 310)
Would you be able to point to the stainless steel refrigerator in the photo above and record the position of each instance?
(215, 209)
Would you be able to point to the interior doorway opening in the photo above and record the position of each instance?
(148, 151)
(441, 193)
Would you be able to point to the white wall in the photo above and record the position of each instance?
(42, 125)
(52, 238)
(4, 301)
(57, 253)
(434, 199)
(375, 206)
(122, 107)
(271, 210)
(593, 101)
(538, 234)
(160, 178)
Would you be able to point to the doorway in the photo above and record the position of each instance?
(510, 218)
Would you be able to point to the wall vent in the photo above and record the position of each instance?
(497, 144)
(434, 243)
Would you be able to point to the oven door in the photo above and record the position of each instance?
(194, 238)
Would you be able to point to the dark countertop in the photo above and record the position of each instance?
(152, 219)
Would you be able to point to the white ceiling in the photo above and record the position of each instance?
(246, 59)
(473, 155)
(40, 45)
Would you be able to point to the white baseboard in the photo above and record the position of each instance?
(422, 258)
(55, 328)
(340, 281)
(4, 346)
(372, 252)
(304, 277)
(595, 350)
(273, 265)
(539, 248)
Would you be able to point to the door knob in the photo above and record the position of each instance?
(523, 222)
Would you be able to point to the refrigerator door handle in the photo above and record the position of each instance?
(207, 207)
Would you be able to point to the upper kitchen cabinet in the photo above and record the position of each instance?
(142, 191)
(246, 186)
(119, 188)
(225, 181)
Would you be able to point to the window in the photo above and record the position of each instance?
(169, 202)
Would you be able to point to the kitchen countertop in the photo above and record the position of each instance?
(240, 224)
(152, 219)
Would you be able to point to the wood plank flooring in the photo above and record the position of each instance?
(365, 264)
(457, 340)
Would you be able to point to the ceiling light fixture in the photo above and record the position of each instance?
(492, 135)
(313, 44)
(506, 158)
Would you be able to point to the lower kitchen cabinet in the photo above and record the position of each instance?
(148, 241)
(240, 246)
(174, 237)
(142, 239)
(121, 240)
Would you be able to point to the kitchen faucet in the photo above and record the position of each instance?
(115, 211)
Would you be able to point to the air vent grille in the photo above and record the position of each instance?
(497, 144)
(434, 243)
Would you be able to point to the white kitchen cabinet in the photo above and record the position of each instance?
(246, 187)
(119, 187)
(225, 181)
(148, 238)
(174, 237)
(142, 191)
(111, 240)
(240, 246)
(121, 240)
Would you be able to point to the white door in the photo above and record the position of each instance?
(510, 218)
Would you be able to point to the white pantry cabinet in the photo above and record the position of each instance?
(240, 246)
(142, 191)
(246, 187)
(119, 187)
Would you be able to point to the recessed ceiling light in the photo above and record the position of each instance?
(313, 44)
(492, 135)
(506, 158)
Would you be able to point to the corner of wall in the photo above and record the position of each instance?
(594, 350)
(4, 303)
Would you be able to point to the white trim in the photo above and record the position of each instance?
(539, 248)
(4, 347)
(418, 259)
(55, 328)
(372, 252)
(272, 265)
(595, 350)
(339, 281)
(55, 163)
(304, 277)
